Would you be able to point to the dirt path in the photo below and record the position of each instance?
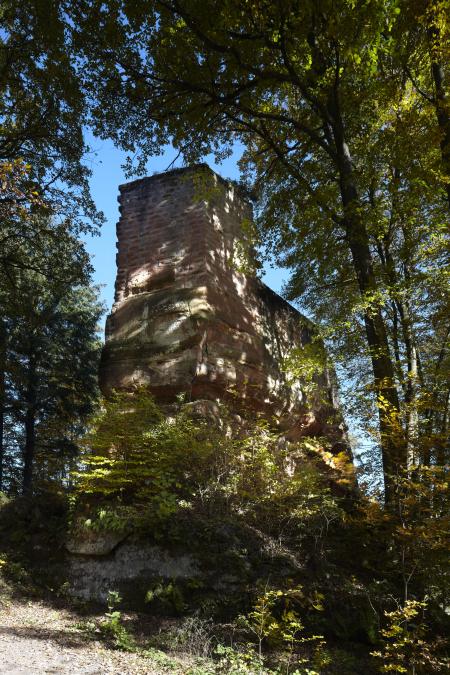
(35, 638)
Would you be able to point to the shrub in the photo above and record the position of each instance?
(406, 648)
(112, 628)
(140, 467)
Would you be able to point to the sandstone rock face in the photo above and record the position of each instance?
(185, 319)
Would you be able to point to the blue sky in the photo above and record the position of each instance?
(107, 174)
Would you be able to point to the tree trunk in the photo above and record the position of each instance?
(410, 378)
(2, 398)
(393, 446)
(432, 425)
(30, 428)
(391, 438)
(442, 105)
(443, 451)
(412, 415)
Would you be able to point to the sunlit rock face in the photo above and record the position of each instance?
(185, 319)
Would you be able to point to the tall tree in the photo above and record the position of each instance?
(422, 36)
(42, 111)
(314, 90)
(51, 353)
(44, 199)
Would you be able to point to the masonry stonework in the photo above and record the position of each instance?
(186, 320)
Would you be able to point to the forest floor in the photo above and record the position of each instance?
(37, 638)
(42, 633)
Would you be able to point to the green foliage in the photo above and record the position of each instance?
(112, 628)
(49, 350)
(45, 204)
(15, 572)
(420, 533)
(168, 595)
(276, 496)
(280, 628)
(238, 662)
(141, 461)
(161, 659)
(342, 113)
(140, 468)
(42, 112)
(342, 110)
(107, 519)
(306, 363)
(267, 639)
(406, 647)
(32, 534)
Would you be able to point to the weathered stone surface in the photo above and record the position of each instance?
(185, 319)
(92, 577)
(90, 542)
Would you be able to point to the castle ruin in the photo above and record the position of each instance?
(187, 319)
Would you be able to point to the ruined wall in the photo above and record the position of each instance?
(184, 318)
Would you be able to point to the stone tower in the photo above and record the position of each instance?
(187, 321)
(185, 318)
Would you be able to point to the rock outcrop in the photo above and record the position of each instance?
(186, 318)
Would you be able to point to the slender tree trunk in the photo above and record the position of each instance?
(395, 342)
(442, 104)
(442, 455)
(2, 399)
(30, 428)
(2, 426)
(409, 383)
(431, 413)
(392, 442)
(412, 416)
